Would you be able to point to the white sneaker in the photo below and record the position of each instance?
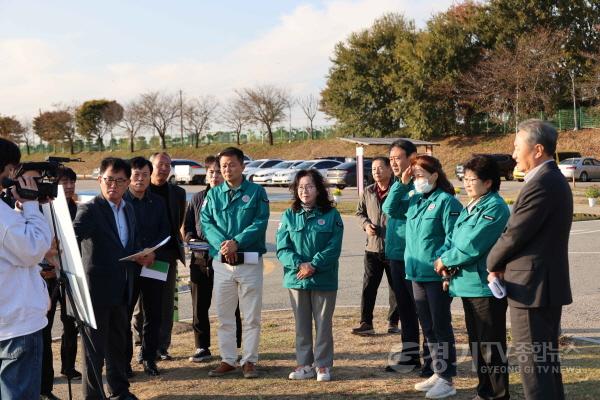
(323, 374)
(300, 373)
(428, 384)
(441, 390)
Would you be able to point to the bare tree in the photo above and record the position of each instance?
(521, 81)
(131, 122)
(159, 113)
(197, 114)
(264, 105)
(234, 117)
(28, 136)
(310, 107)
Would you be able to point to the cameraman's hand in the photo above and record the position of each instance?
(49, 274)
(25, 182)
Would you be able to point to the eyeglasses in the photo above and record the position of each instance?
(307, 188)
(469, 181)
(112, 181)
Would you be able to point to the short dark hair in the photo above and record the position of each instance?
(67, 173)
(211, 160)
(385, 160)
(232, 152)
(486, 169)
(9, 153)
(140, 163)
(406, 145)
(323, 201)
(117, 164)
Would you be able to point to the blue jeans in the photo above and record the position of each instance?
(21, 367)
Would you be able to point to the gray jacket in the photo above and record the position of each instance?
(369, 211)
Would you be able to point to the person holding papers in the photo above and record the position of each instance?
(463, 258)
(309, 243)
(234, 219)
(201, 269)
(106, 231)
(153, 225)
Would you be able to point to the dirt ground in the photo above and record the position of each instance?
(358, 371)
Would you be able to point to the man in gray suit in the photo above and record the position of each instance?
(531, 257)
(106, 231)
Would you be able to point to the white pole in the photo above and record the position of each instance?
(360, 151)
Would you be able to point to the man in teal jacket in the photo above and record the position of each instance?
(234, 219)
(401, 152)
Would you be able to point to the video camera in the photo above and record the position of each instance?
(47, 183)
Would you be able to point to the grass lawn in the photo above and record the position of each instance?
(358, 371)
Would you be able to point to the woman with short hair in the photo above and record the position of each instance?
(477, 229)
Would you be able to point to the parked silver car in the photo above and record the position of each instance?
(584, 169)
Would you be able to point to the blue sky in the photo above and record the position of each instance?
(70, 51)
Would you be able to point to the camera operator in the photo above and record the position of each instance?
(25, 238)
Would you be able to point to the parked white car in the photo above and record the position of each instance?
(258, 165)
(286, 177)
(187, 172)
(584, 169)
(265, 177)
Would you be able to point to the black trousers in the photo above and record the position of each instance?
(433, 309)
(201, 287)
(109, 343)
(485, 318)
(407, 312)
(535, 334)
(375, 266)
(149, 293)
(68, 345)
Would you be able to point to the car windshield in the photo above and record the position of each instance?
(569, 161)
(255, 164)
(282, 165)
(346, 165)
(305, 165)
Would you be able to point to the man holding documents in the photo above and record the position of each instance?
(532, 257)
(201, 270)
(106, 231)
(153, 224)
(234, 220)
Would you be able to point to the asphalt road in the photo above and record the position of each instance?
(580, 318)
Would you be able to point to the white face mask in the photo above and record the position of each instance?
(422, 185)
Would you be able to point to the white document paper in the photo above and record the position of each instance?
(146, 251)
(251, 257)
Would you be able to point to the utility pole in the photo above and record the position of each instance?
(181, 114)
(290, 131)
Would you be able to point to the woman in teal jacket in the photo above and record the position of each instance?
(478, 227)
(430, 217)
(309, 243)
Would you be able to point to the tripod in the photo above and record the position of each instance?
(67, 292)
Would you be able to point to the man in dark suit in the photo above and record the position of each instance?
(531, 257)
(175, 199)
(106, 231)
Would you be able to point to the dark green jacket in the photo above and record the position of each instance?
(313, 237)
(395, 206)
(470, 242)
(429, 221)
(243, 218)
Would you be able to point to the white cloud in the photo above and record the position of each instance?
(294, 54)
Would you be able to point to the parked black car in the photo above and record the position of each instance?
(345, 174)
(505, 162)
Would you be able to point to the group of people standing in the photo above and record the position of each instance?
(430, 247)
(433, 249)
